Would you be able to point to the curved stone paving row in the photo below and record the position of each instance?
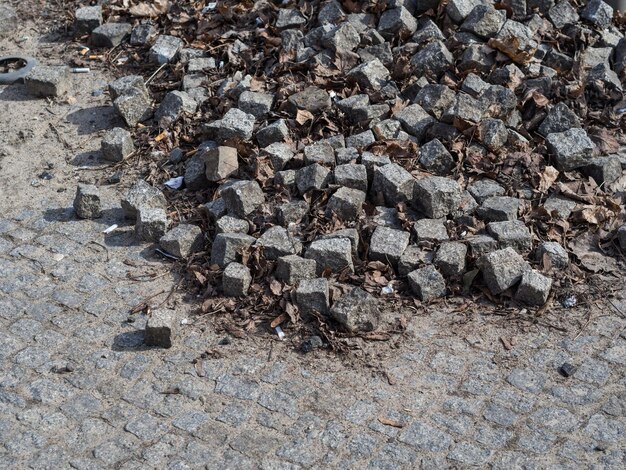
(79, 390)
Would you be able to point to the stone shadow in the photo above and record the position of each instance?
(130, 341)
(95, 119)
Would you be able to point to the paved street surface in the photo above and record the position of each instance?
(78, 389)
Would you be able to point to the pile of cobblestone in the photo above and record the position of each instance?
(425, 141)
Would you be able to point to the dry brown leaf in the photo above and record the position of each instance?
(150, 9)
(390, 422)
(547, 178)
(303, 116)
(278, 320)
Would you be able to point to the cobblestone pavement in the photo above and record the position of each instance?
(79, 390)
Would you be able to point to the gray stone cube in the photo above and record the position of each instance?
(255, 103)
(598, 13)
(414, 257)
(142, 34)
(117, 144)
(360, 140)
(182, 241)
(142, 196)
(458, 10)
(110, 35)
(165, 49)
(555, 254)
(499, 209)
(435, 99)
(310, 99)
(604, 170)
(133, 106)
(312, 295)
(277, 241)
(502, 269)
(534, 288)
(450, 258)
(125, 84)
(220, 163)
(484, 21)
(346, 203)
(559, 119)
(242, 198)
(272, 133)
(430, 230)
(427, 283)
(432, 60)
(482, 244)
(229, 224)
(236, 280)
(621, 237)
(372, 75)
(293, 269)
(87, 19)
(511, 233)
(437, 196)
(334, 254)
(312, 177)
(227, 247)
(387, 245)
(351, 175)
(572, 149)
(484, 189)
(415, 120)
(397, 22)
(435, 158)
(394, 183)
(493, 134)
(48, 81)
(319, 152)
(235, 124)
(357, 311)
(87, 202)
(151, 224)
(291, 212)
(161, 328)
(174, 105)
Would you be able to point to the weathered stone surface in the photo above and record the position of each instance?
(174, 105)
(559, 119)
(277, 241)
(516, 40)
(493, 134)
(450, 258)
(397, 22)
(133, 106)
(110, 34)
(357, 311)
(230, 224)
(430, 230)
(502, 269)
(141, 195)
(554, 253)
(125, 84)
(255, 103)
(463, 111)
(48, 81)
(604, 170)
(370, 75)
(437, 196)
(621, 237)
(291, 212)
(484, 21)
(312, 177)
(484, 189)
(343, 37)
(280, 154)
(387, 245)
(242, 198)
(511, 233)
(311, 99)
(534, 288)
(87, 19)
(165, 49)
(227, 247)
(571, 149)
(427, 283)
(346, 203)
(415, 120)
(236, 280)
(235, 124)
(293, 268)
(434, 157)
(414, 257)
(499, 209)
(435, 99)
(182, 240)
(161, 328)
(482, 244)
(275, 132)
(319, 152)
(432, 60)
(351, 234)
(289, 18)
(142, 34)
(87, 202)
(394, 183)
(363, 139)
(116, 145)
(598, 13)
(334, 254)
(220, 163)
(151, 224)
(351, 175)
(312, 295)
(562, 14)
(458, 10)
(559, 206)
